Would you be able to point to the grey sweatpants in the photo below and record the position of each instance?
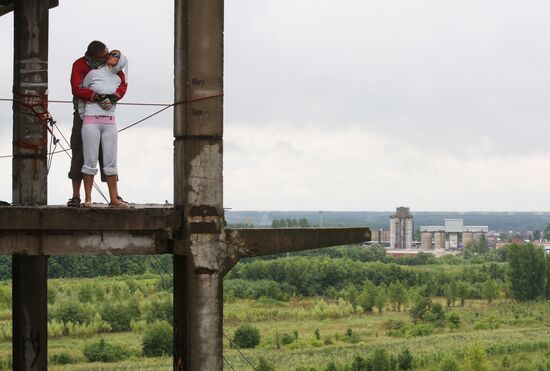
(92, 135)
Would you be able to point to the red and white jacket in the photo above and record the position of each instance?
(79, 71)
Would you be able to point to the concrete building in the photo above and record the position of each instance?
(380, 237)
(401, 229)
(453, 235)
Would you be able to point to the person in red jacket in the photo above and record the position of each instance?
(96, 55)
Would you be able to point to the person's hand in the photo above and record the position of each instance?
(113, 98)
(105, 104)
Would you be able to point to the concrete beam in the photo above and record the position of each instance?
(57, 218)
(7, 6)
(84, 243)
(266, 241)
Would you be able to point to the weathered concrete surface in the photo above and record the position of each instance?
(63, 231)
(29, 182)
(59, 218)
(84, 243)
(29, 313)
(7, 6)
(266, 241)
(198, 185)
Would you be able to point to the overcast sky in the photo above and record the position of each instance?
(348, 105)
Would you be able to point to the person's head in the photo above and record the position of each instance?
(97, 51)
(114, 57)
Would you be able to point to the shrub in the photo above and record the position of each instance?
(286, 339)
(118, 315)
(331, 367)
(380, 360)
(505, 364)
(454, 320)
(265, 365)
(71, 310)
(160, 309)
(359, 364)
(475, 357)
(247, 336)
(449, 363)
(489, 323)
(421, 308)
(422, 329)
(61, 359)
(157, 340)
(392, 324)
(405, 360)
(85, 293)
(102, 351)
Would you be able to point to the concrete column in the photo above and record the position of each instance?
(426, 240)
(30, 77)
(198, 185)
(439, 240)
(467, 237)
(453, 240)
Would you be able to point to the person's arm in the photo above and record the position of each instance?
(121, 91)
(79, 71)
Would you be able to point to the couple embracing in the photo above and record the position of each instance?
(97, 82)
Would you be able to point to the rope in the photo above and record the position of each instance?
(71, 102)
(165, 107)
(167, 272)
(143, 119)
(229, 363)
(241, 353)
(144, 104)
(96, 187)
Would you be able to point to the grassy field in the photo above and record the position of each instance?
(326, 331)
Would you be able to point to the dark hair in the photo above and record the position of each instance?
(95, 49)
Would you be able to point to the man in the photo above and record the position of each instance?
(96, 55)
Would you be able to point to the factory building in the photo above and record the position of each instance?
(401, 229)
(453, 235)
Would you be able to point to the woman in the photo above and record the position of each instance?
(99, 125)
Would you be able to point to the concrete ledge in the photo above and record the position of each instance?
(60, 218)
(267, 241)
(84, 243)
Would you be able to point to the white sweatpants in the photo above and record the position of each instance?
(92, 134)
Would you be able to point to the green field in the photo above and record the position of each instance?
(519, 331)
(349, 311)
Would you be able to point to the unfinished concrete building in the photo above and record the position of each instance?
(192, 229)
(401, 229)
(452, 235)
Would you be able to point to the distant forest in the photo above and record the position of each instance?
(497, 221)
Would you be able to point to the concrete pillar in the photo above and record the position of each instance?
(439, 240)
(453, 240)
(467, 237)
(426, 240)
(30, 77)
(200, 253)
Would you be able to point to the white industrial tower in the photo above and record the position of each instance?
(401, 229)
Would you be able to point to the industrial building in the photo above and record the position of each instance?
(453, 235)
(401, 229)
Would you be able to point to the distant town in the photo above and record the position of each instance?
(437, 233)
(451, 237)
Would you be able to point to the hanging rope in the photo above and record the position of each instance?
(241, 353)
(164, 105)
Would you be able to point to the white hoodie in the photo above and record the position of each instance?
(103, 80)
